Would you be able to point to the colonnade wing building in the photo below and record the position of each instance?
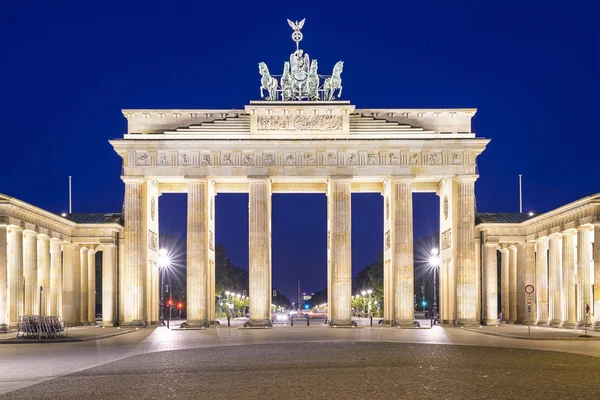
(311, 147)
(58, 254)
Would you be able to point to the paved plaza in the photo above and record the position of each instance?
(301, 362)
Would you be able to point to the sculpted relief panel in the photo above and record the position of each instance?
(299, 123)
(206, 158)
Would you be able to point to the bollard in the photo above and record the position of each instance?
(307, 321)
(371, 320)
(292, 320)
(228, 320)
(168, 327)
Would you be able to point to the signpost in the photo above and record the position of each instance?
(529, 289)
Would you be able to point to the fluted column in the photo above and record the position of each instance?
(596, 250)
(43, 243)
(584, 273)
(504, 284)
(490, 284)
(555, 280)
(541, 280)
(197, 254)
(15, 275)
(91, 289)
(402, 242)
(30, 273)
(512, 275)
(260, 251)
(109, 280)
(4, 278)
(135, 263)
(569, 312)
(83, 285)
(71, 283)
(55, 290)
(466, 268)
(525, 276)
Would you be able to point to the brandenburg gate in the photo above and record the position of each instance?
(300, 139)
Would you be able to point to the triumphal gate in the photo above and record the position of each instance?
(300, 138)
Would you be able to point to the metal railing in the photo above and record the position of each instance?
(36, 327)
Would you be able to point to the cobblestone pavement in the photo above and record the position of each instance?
(332, 370)
(30, 364)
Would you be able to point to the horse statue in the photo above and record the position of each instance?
(287, 83)
(267, 82)
(334, 82)
(313, 81)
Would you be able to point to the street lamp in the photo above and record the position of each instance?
(163, 263)
(434, 261)
(369, 292)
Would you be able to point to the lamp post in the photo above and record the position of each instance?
(369, 292)
(163, 262)
(434, 261)
(364, 294)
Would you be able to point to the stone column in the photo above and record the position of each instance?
(512, 279)
(30, 273)
(520, 293)
(197, 255)
(4, 307)
(83, 285)
(402, 251)
(541, 280)
(135, 262)
(596, 308)
(554, 280)
(466, 267)
(530, 310)
(569, 312)
(91, 289)
(109, 280)
(505, 286)
(55, 290)
(71, 283)
(15, 275)
(260, 251)
(490, 284)
(44, 272)
(584, 273)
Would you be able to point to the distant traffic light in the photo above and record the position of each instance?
(180, 305)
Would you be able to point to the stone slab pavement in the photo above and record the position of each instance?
(535, 332)
(74, 334)
(26, 365)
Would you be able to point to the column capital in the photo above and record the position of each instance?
(542, 240)
(43, 236)
(92, 251)
(403, 178)
(555, 235)
(466, 178)
(83, 249)
(490, 244)
(133, 179)
(586, 227)
(15, 228)
(111, 245)
(569, 232)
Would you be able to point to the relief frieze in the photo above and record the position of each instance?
(299, 123)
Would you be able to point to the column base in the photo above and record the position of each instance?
(510, 321)
(5, 329)
(596, 326)
(137, 323)
(491, 322)
(541, 323)
(341, 323)
(467, 322)
(259, 323)
(570, 325)
(108, 324)
(554, 323)
(519, 322)
(196, 324)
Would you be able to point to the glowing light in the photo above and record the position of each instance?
(435, 252)
(364, 292)
(64, 214)
(531, 214)
(369, 291)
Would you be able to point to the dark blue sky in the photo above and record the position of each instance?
(530, 67)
